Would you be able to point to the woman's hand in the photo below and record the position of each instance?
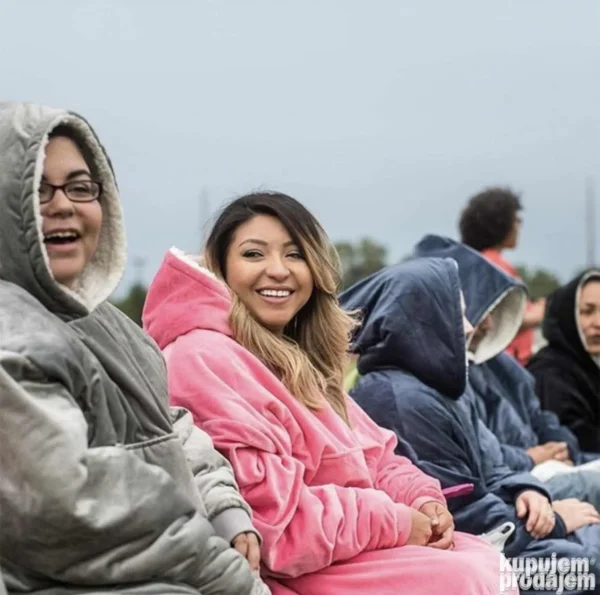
(247, 544)
(538, 510)
(576, 514)
(442, 525)
(420, 530)
(558, 451)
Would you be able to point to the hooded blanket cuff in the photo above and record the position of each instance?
(419, 502)
(231, 522)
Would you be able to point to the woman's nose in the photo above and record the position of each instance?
(277, 269)
(59, 205)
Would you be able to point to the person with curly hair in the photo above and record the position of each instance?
(491, 224)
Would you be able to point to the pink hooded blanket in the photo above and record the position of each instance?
(332, 502)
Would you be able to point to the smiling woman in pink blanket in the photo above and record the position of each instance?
(255, 348)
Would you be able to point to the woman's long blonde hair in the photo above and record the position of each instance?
(311, 355)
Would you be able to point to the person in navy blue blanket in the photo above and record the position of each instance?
(412, 361)
(531, 438)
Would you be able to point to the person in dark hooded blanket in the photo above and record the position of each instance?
(97, 493)
(567, 369)
(412, 361)
(531, 439)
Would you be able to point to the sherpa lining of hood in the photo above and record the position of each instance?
(24, 261)
(586, 277)
(561, 321)
(196, 261)
(507, 315)
(487, 290)
(103, 273)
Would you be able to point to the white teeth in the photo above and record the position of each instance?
(275, 293)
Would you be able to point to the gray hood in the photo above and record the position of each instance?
(24, 130)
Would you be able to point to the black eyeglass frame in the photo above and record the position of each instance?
(65, 190)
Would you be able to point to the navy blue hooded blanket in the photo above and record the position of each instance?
(508, 402)
(412, 361)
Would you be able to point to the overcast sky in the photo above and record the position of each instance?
(382, 116)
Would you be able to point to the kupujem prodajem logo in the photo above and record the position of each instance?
(560, 575)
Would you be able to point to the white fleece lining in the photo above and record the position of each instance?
(584, 280)
(194, 261)
(507, 316)
(104, 271)
(37, 179)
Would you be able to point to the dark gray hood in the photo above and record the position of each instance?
(24, 130)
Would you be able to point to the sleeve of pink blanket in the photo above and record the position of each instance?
(394, 474)
(304, 528)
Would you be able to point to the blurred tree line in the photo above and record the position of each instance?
(133, 303)
(540, 282)
(359, 260)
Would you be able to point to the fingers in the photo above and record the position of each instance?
(561, 455)
(590, 512)
(533, 519)
(548, 525)
(541, 520)
(253, 555)
(521, 507)
(445, 540)
(540, 512)
(432, 511)
(586, 506)
(240, 543)
(557, 504)
(446, 522)
(427, 534)
(247, 545)
(592, 519)
(558, 450)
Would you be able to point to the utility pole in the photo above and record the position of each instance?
(139, 264)
(590, 223)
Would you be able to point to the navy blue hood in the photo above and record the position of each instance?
(412, 321)
(487, 290)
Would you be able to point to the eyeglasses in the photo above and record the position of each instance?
(76, 191)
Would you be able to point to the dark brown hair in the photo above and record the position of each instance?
(310, 357)
(488, 218)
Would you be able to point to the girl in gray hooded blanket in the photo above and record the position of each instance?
(104, 488)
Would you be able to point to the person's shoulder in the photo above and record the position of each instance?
(551, 363)
(118, 324)
(15, 301)
(36, 343)
(213, 350)
(548, 356)
(208, 343)
(407, 391)
(26, 325)
(496, 257)
(111, 315)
